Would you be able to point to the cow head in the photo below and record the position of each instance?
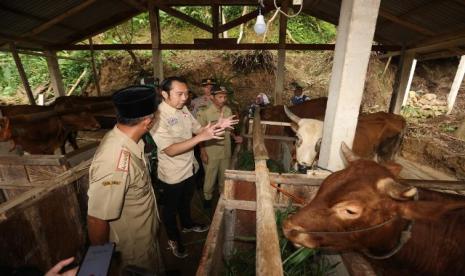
(75, 116)
(365, 195)
(309, 133)
(5, 129)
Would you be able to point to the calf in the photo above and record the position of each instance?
(403, 230)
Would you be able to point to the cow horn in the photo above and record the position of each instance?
(396, 190)
(348, 154)
(291, 115)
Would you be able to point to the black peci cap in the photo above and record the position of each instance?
(216, 89)
(208, 81)
(135, 101)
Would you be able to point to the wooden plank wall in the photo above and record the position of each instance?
(43, 220)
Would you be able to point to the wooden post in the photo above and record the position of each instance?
(215, 21)
(456, 85)
(22, 74)
(409, 82)
(354, 39)
(155, 34)
(403, 73)
(94, 68)
(55, 75)
(279, 85)
(268, 256)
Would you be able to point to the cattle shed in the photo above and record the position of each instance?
(413, 30)
(420, 29)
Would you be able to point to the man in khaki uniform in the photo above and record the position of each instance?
(216, 154)
(122, 206)
(204, 100)
(176, 162)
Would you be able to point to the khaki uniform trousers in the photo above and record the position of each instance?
(214, 170)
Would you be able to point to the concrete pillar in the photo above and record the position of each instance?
(402, 81)
(55, 74)
(409, 82)
(157, 61)
(456, 85)
(355, 33)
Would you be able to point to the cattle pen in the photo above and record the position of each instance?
(43, 209)
(248, 205)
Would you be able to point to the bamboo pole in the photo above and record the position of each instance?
(94, 68)
(22, 74)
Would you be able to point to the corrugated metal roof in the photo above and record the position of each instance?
(400, 21)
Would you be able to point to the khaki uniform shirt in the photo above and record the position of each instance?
(120, 192)
(198, 104)
(216, 149)
(174, 126)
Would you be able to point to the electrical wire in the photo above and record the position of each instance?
(285, 14)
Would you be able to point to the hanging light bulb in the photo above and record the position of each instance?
(260, 25)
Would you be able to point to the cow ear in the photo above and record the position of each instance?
(396, 190)
(393, 167)
(428, 210)
(294, 127)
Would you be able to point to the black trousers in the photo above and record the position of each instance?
(176, 199)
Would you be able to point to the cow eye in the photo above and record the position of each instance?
(350, 212)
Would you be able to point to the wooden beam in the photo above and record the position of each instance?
(281, 64)
(55, 74)
(406, 14)
(22, 74)
(211, 2)
(400, 21)
(215, 11)
(238, 21)
(444, 41)
(31, 16)
(441, 54)
(15, 38)
(40, 54)
(155, 35)
(268, 257)
(136, 4)
(218, 46)
(101, 27)
(59, 18)
(94, 68)
(401, 81)
(456, 85)
(184, 17)
(18, 204)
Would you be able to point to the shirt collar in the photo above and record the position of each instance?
(135, 148)
(167, 108)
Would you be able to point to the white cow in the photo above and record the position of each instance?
(310, 131)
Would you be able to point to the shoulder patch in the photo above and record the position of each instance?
(123, 161)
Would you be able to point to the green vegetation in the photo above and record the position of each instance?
(302, 261)
(246, 162)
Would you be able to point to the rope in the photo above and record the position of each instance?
(296, 199)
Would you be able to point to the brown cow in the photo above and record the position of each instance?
(403, 230)
(43, 136)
